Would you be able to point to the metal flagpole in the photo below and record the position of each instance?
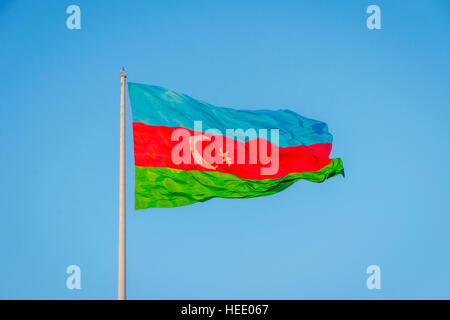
(122, 289)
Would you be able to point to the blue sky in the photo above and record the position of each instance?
(385, 95)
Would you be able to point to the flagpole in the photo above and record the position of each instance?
(122, 290)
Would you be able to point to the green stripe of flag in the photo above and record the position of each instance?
(166, 187)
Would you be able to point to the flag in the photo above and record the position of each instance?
(188, 151)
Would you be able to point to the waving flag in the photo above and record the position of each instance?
(187, 150)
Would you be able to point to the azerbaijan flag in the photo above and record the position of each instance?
(188, 151)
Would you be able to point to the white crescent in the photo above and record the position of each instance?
(198, 159)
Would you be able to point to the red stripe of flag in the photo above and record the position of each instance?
(153, 148)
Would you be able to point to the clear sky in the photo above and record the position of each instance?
(385, 95)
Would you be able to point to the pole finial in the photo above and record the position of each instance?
(123, 73)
